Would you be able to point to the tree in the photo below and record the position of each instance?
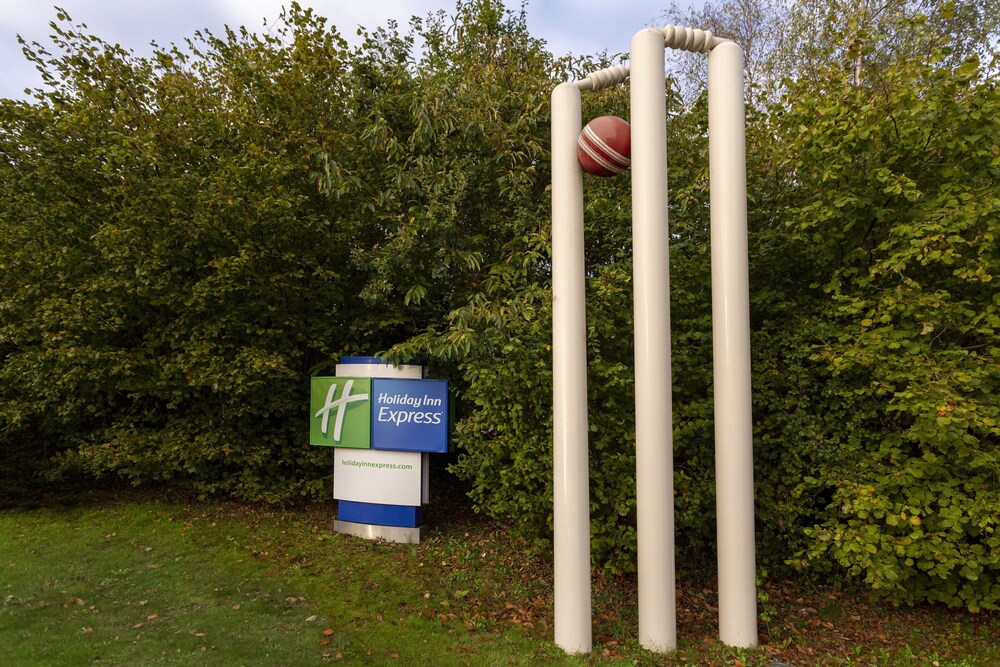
(171, 273)
(898, 208)
(784, 41)
(188, 237)
(828, 445)
(760, 27)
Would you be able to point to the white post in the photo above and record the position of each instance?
(571, 475)
(731, 347)
(651, 288)
(651, 278)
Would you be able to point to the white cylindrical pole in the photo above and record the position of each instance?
(651, 288)
(571, 475)
(731, 347)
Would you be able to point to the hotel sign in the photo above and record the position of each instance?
(379, 413)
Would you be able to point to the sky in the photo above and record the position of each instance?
(568, 26)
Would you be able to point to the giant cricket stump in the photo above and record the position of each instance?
(651, 280)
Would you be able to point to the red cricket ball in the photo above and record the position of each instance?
(605, 146)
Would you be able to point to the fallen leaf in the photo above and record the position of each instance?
(88, 631)
(328, 632)
(152, 617)
(310, 619)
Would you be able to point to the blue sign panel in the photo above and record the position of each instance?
(410, 415)
(380, 515)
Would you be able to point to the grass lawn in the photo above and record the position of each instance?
(129, 579)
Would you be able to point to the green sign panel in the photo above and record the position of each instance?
(340, 410)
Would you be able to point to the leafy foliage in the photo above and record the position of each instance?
(186, 238)
(900, 206)
(806, 39)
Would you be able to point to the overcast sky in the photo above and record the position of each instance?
(577, 26)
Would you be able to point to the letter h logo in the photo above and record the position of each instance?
(349, 402)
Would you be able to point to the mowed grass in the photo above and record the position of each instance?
(129, 579)
(144, 582)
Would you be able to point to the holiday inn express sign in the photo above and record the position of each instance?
(379, 413)
(383, 423)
